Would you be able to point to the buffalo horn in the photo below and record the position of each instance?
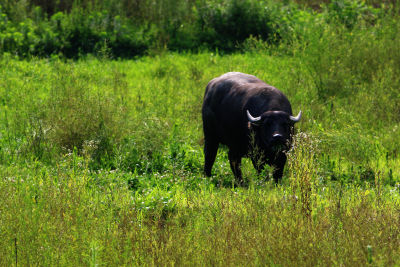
(251, 118)
(297, 118)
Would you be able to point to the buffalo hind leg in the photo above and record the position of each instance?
(210, 152)
(235, 162)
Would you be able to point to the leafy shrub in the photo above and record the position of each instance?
(72, 34)
(225, 25)
(349, 12)
(80, 29)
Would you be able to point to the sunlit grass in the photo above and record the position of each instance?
(68, 217)
(101, 160)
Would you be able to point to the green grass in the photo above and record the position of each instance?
(64, 217)
(101, 160)
(146, 201)
(121, 112)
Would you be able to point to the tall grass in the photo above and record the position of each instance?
(64, 218)
(149, 109)
(142, 199)
(303, 169)
(101, 159)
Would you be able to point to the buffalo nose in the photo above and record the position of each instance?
(277, 136)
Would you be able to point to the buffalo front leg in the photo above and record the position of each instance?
(210, 152)
(278, 167)
(258, 164)
(235, 161)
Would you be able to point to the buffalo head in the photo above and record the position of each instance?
(273, 128)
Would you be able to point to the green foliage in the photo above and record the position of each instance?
(126, 29)
(72, 35)
(127, 117)
(101, 159)
(303, 170)
(227, 24)
(69, 217)
(349, 13)
(345, 66)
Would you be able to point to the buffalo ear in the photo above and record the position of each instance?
(252, 125)
(252, 121)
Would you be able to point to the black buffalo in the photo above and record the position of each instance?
(251, 118)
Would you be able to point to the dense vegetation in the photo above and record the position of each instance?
(101, 157)
(130, 28)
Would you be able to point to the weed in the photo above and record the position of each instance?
(303, 170)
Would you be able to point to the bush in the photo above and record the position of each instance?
(348, 12)
(227, 24)
(128, 30)
(80, 30)
(72, 35)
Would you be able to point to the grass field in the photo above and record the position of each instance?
(101, 159)
(135, 194)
